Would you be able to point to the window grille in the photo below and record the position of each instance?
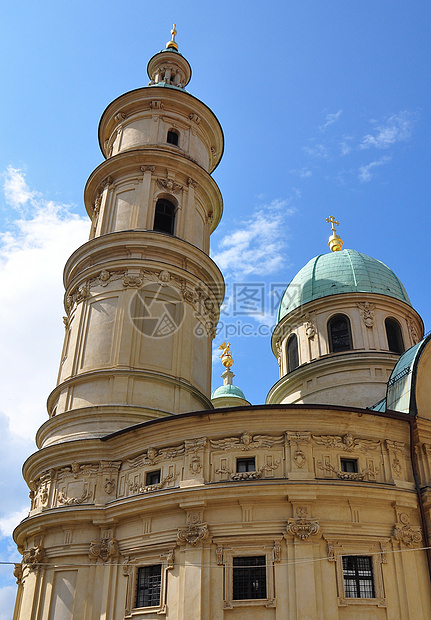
(358, 576)
(148, 586)
(339, 334)
(249, 577)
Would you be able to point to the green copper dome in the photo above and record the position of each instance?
(347, 271)
(228, 390)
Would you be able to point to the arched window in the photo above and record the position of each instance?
(292, 353)
(173, 136)
(164, 218)
(394, 336)
(340, 338)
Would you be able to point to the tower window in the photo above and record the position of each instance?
(339, 334)
(358, 576)
(394, 336)
(292, 353)
(164, 218)
(249, 577)
(173, 137)
(245, 465)
(149, 586)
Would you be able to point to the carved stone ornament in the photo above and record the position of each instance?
(310, 328)
(247, 441)
(18, 573)
(106, 549)
(119, 117)
(302, 528)
(219, 555)
(345, 475)
(405, 533)
(192, 183)
(154, 455)
(132, 281)
(367, 312)
(170, 185)
(148, 168)
(412, 329)
(299, 458)
(346, 442)
(140, 488)
(276, 552)
(33, 556)
(194, 117)
(73, 501)
(193, 533)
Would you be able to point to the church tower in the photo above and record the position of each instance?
(142, 296)
(150, 500)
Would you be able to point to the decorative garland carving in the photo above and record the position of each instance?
(141, 489)
(248, 475)
(170, 185)
(73, 501)
(345, 475)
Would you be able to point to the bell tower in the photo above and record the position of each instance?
(142, 295)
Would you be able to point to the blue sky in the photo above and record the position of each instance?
(325, 110)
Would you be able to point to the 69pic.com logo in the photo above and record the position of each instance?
(157, 310)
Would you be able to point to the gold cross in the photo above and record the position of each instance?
(334, 223)
(173, 32)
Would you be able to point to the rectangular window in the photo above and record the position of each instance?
(245, 465)
(148, 586)
(249, 577)
(349, 465)
(358, 576)
(152, 477)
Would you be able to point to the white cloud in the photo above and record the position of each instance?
(397, 128)
(331, 119)
(257, 246)
(366, 172)
(16, 191)
(303, 173)
(10, 521)
(319, 151)
(32, 254)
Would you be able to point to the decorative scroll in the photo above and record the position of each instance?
(346, 442)
(247, 442)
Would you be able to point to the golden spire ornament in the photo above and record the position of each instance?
(335, 242)
(226, 356)
(172, 42)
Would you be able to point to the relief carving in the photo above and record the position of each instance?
(248, 475)
(346, 442)
(302, 527)
(153, 455)
(132, 281)
(370, 471)
(141, 488)
(310, 328)
(405, 533)
(170, 185)
(18, 573)
(106, 549)
(366, 310)
(247, 441)
(193, 533)
(73, 501)
(33, 556)
(412, 329)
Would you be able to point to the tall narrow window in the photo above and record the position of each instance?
(148, 586)
(394, 336)
(164, 218)
(358, 576)
(292, 353)
(339, 334)
(172, 137)
(249, 577)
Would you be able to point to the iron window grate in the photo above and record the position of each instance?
(148, 586)
(358, 577)
(249, 577)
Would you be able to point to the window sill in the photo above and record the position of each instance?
(250, 602)
(379, 602)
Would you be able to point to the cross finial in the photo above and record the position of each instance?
(335, 242)
(331, 220)
(172, 42)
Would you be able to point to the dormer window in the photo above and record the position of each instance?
(339, 333)
(173, 137)
(394, 336)
(164, 217)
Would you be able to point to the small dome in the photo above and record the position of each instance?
(347, 271)
(228, 390)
